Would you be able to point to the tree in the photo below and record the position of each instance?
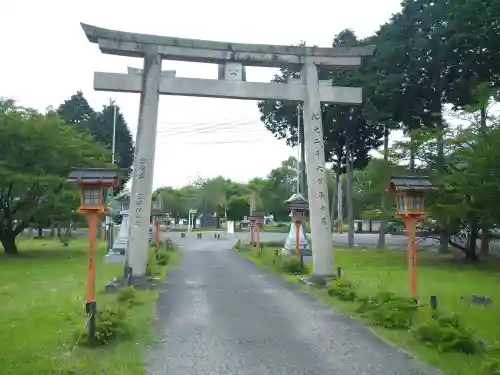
(77, 112)
(470, 190)
(36, 153)
(174, 201)
(237, 207)
(368, 183)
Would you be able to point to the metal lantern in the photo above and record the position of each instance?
(94, 184)
(410, 195)
(410, 206)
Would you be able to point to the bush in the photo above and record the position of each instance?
(491, 364)
(388, 310)
(446, 334)
(238, 245)
(128, 295)
(343, 290)
(150, 265)
(162, 259)
(278, 244)
(111, 324)
(291, 265)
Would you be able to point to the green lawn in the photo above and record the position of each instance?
(42, 309)
(373, 271)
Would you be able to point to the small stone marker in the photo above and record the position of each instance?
(477, 299)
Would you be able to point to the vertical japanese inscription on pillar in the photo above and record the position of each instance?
(139, 198)
(316, 117)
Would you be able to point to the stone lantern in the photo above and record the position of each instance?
(296, 242)
(117, 253)
(410, 206)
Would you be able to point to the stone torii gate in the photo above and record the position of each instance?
(232, 58)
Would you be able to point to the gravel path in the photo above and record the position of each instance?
(219, 314)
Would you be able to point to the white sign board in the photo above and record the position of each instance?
(230, 227)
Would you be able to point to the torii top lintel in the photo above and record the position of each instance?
(195, 50)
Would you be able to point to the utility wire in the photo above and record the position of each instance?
(208, 129)
(224, 121)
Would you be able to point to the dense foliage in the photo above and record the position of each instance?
(433, 60)
(37, 152)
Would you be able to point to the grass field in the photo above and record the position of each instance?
(42, 309)
(373, 271)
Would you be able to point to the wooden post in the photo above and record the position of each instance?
(157, 228)
(93, 219)
(411, 225)
(251, 233)
(258, 234)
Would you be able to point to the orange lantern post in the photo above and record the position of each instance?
(93, 183)
(410, 207)
(257, 219)
(157, 215)
(252, 230)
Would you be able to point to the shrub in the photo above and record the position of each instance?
(278, 244)
(388, 310)
(128, 295)
(150, 266)
(491, 364)
(446, 334)
(162, 259)
(111, 324)
(291, 265)
(238, 245)
(343, 290)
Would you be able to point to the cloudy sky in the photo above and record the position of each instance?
(46, 58)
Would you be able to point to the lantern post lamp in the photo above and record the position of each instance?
(251, 219)
(157, 215)
(93, 183)
(410, 207)
(299, 208)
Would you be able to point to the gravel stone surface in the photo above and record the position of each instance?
(220, 314)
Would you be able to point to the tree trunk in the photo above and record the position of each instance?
(413, 153)
(333, 202)
(40, 231)
(485, 231)
(52, 230)
(383, 222)
(340, 204)
(485, 240)
(470, 252)
(350, 208)
(8, 240)
(303, 176)
(443, 236)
